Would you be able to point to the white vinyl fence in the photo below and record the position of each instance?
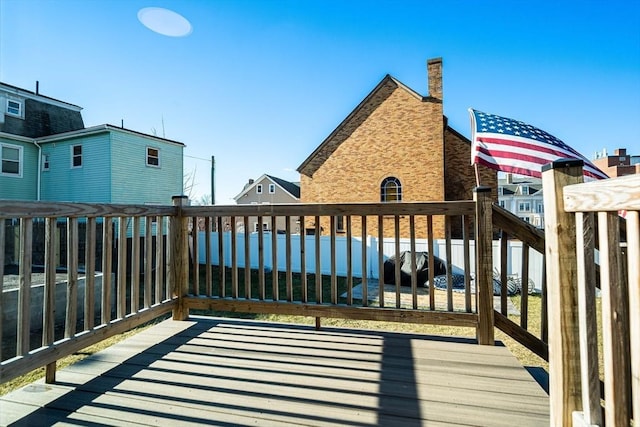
(514, 254)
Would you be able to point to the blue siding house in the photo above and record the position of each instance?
(47, 154)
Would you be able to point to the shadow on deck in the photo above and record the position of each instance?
(214, 371)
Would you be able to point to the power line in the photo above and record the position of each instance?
(197, 158)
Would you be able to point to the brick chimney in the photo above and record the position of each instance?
(434, 74)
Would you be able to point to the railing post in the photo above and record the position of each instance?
(562, 300)
(179, 257)
(484, 265)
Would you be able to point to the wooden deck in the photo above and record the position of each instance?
(214, 371)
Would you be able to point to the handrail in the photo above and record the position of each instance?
(31, 209)
(515, 227)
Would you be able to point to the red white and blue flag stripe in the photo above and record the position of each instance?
(515, 147)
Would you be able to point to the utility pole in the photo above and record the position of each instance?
(213, 179)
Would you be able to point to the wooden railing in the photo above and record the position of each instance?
(509, 226)
(150, 276)
(309, 295)
(123, 302)
(583, 224)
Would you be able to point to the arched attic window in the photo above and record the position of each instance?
(391, 190)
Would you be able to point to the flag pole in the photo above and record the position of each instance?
(473, 146)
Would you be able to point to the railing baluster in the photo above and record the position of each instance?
(247, 259)
(261, 278)
(274, 259)
(234, 259)
(431, 273)
(544, 319)
(135, 265)
(90, 274)
(334, 278)
(447, 225)
(72, 277)
(159, 266)
(207, 245)
(414, 272)
(633, 263)
(148, 260)
(466, 224)
(195, 255)
(524, 282)
(587, 318)
(317, 255)
(222, 269)
(615, 318)
(24, 296)
(122, 268)
(168, 282)
(289, 275)
(398, 279)
(303, 261)
(349, 261)
(365, 281)
(49, 298)
(381, 283)
(504, 258)
(107, 266)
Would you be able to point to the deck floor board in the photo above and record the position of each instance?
(214, 371)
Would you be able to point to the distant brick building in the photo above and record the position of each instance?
(619, 164)
(395, 146)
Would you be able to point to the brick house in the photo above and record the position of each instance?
(619, 164)
(395, 146)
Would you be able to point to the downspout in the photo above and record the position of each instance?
(39, 170)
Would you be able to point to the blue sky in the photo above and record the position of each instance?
(259, 84)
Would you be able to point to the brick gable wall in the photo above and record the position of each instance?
(402, 138)
(394, 133)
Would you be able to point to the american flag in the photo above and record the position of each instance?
(515, 147)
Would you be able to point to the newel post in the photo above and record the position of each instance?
(484, 264)
(179, 257)
(562, 291)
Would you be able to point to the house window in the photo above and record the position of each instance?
(502, 204)
(259, 189)
(272, 189)
(153, 157)
(76, 156)
(14, 107)
(391, 190)
(45, 162)
(11, 160)
(256, 226)
(524, 206)
(540, 208)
